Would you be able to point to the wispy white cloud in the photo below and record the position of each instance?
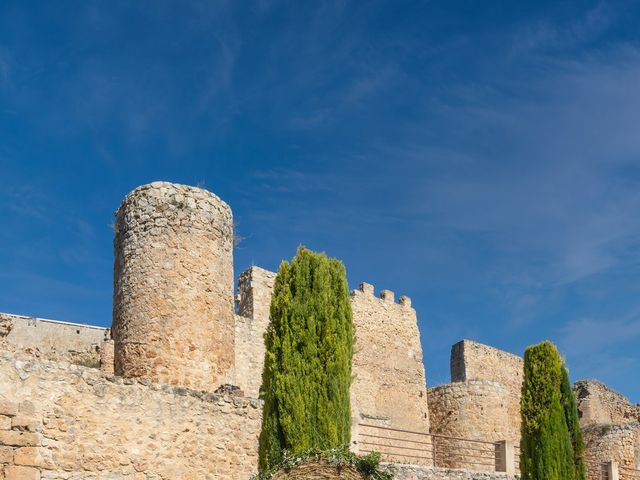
(587, 336)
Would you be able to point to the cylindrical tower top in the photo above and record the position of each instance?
(173, 319)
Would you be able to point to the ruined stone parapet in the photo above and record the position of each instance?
(173, 318)
(599, 404)
(389, 386)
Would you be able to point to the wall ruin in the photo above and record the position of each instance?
(598, 404)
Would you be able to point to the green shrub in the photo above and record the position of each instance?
(546, 449)
(307, 370)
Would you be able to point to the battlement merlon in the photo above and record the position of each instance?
(387, 296)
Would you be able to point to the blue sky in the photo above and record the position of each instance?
(480, 157)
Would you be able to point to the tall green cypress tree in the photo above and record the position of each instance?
(545, 447)
(570, 408)
(307, 371)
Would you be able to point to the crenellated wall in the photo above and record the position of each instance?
(389, 386)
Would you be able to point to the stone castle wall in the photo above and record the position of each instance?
(598, 404)
(64, 421)
(82, 344)
(389, 386)
(482, 403)
(255, 288)
(174, 324)
(52, 337)
(173, 315)
(475, 361)
(475, 410)
(620, 443)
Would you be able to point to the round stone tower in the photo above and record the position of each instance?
(173, 318)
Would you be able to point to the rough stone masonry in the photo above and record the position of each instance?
(177, 341)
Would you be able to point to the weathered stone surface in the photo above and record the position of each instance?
(598, 404)
(389, 386)
(474, 410)
(6, 455)
(19, 439)
(15, 472)
(99, 427)
(173, 317)
(5, 422)
(8, 408)
(25, 422)
(255, 288)
(482, 402)
(107, 355)
(28, 456)
(620, 443)
(475, 361)
(55, 339)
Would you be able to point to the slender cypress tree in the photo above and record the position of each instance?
(546, 450)
(570, 407)
(307, 370)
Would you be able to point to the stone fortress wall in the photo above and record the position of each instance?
(389, 385)
(255, 288)
(82, 344)
(170, 413)
(482, 402)
(64, 421)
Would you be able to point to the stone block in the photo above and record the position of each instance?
(27, 407)
(28, 456)
(6, 455)
(8, 408)
(5, 422)
(16, 472)
(19, 439)
(25, 422)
